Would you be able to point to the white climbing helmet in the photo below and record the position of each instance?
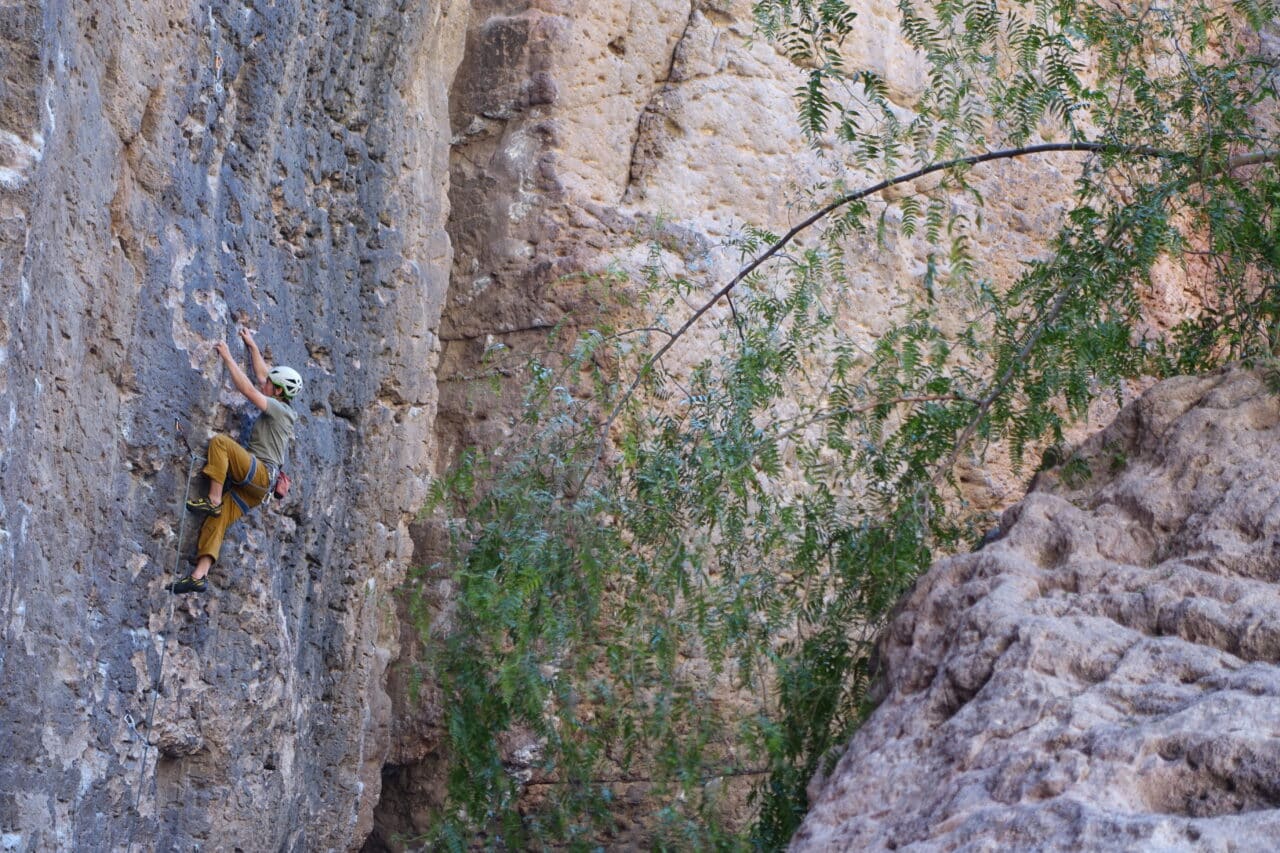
(287, 379)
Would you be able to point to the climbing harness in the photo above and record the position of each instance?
(158, 684)
(268, 490)
(275, 473)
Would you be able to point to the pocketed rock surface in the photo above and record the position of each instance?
(169, 171)
(1102, 677)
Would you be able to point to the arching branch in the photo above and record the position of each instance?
(827, 210)
(1238, 161)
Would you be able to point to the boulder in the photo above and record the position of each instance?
(1104, 675)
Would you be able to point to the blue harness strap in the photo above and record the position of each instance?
(244, 507)
(248, 481)
(248, 478)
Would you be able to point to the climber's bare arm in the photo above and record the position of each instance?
(240, 379)
(255, 357)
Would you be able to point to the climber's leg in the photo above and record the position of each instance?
(225, 457)
(211, 534)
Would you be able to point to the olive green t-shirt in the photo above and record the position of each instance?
(272, 431)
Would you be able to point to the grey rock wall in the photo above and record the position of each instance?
(1106, 675)
(169, 169)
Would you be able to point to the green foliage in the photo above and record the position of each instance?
(674, 577)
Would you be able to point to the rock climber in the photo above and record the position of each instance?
(243, 475)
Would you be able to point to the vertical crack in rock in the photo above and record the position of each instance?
(656, 112)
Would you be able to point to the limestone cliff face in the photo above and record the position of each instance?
(167, 170)
(1103, 677)
(585, 133)
(382, 189)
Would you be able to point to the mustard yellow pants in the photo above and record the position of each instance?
(228, 457)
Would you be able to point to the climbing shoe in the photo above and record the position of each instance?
(188, 584)
(201, 506)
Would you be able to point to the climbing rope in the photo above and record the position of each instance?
(158, 684)
(217, 54)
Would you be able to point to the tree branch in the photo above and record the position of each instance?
(823, 212)
(858, 410)
(1253, 158)
(998, 387)
(614, 780)
(1239, 161)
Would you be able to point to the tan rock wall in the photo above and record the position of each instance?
(582, 131)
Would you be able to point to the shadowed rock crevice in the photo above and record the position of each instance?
(1197, 777)
(658, 118)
